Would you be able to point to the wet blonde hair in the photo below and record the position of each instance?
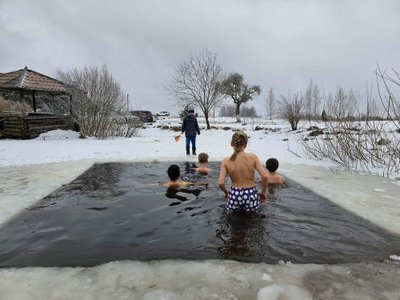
(238, 142)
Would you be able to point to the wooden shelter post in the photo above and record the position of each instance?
(21, 95)
(34, 100)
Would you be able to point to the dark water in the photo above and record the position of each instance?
(118, 211)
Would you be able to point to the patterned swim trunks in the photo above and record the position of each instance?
(243, 199)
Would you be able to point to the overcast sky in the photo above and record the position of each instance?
(274, 43)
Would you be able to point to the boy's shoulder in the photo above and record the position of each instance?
(275, 178)
(203, 170)
(176, 184)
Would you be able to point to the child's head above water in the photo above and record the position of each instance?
(203, 158)
(272, 164)
(173, 172)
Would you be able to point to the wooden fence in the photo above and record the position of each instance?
(31, 126)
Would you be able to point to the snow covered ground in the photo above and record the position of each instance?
(30, 169)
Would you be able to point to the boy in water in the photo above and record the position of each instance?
(241, 167)
(272, 165)
(173, 173)
(274, 179)
(203, 161)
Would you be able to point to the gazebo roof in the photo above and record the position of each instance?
(29, 80)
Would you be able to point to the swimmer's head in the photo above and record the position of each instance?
(173, 172)
(238, 142)
(203, 158)
(272, 164)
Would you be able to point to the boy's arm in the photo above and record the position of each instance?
(264, 176)
(186, 183)
(221, 179)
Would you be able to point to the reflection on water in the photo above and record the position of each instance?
(243, 235)
(275, 187)
(179, 192)
(189, 168)
(119, 211)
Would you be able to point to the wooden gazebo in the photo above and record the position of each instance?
(26, 82)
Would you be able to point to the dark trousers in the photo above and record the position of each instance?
(191, 139)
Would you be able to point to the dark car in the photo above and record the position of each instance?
(144, 115)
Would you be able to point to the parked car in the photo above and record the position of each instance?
(163, 114)
(144, 115)
(125, 118)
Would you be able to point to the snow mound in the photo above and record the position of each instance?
(58, 134)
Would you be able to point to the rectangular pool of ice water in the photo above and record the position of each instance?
(118, 211)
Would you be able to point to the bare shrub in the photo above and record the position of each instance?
(96, 98)
(355, 144)
(389, 91)
(126, 129)
(248, 112)
(227, 111)
(230, 111)
(290, 108)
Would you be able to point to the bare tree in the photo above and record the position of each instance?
(230, 111)
(270, 103)
(312, 101)
(290, 109)
(316, 99)
(341, 105)
(195, 82)
(227, 111)
(233, 86)
(96, 97)
(372, 108)
(308, 101)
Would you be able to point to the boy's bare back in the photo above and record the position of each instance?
(274, 178)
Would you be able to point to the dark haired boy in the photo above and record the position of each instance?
(272, 165)
(173, 173)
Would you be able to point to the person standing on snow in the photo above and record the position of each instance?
(190, 127)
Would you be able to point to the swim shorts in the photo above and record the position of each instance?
(243, 199)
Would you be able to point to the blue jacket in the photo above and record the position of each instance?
(190, 125)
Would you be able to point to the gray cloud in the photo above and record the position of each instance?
(278, 43)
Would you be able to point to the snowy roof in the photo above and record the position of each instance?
(30, 80)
